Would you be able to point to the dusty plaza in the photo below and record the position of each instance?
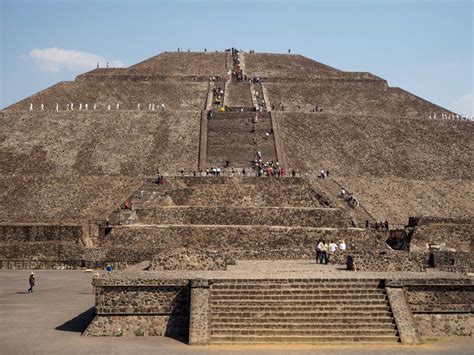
(233, 200)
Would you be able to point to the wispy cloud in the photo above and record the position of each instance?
(56, 59)
(465, 104)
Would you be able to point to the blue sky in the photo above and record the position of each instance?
(425, 47)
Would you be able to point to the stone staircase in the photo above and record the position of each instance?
(140, 199)
(265, 143)
(301, 311)
(230, 137)
(333, 188)
(238, 95)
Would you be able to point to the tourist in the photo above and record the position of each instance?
(332, 247)
(32, 282)
(94, 281)
(386, 224)
(324, 252)
(367, 223)
(108, 268)
(318, 251)
(342, 245)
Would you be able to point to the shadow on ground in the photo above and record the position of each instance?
(79, 323)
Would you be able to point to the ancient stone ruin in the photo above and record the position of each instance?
(220, 172)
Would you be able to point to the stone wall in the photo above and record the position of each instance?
(233, 242)
(40, 232)
(396, 150)
(396, 199)
(389, 260)
(462, 262)
(438, 220)
(189, 96)
(444, 324)
(67, 167)
(448, 237)
(223, 215)
(138, 307)
(440, 307)
(189, 259)
(35, 264)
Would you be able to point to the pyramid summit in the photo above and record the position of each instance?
(192, 162)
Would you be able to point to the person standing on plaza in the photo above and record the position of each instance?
(332, 249)
(95, 278)
(318, 251)
(324, 252)
(32, 282)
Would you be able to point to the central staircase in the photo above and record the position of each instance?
(301, 311)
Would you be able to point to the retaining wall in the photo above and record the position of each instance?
(139, 307)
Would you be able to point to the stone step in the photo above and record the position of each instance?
(310, 331)
(329, 314)
(345, 288)
(309, 339)
(298, 302)
(286, 281)
(344, 298)
(291, 320)
(321, 324)
(289, 292)
(313, 287)
(258, 309)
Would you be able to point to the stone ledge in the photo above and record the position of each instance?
(403, 316)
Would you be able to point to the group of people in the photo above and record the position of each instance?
(267, 168)
(383, 225)
(214, 171)
(85, 107)
(325, 250)
(349, 198)
(217, 95)
(323, 174)
(160, 180)
(236, 62)
(450, 116)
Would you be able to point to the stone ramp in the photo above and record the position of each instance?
(300, 311)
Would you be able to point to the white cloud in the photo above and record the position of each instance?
(465, 104)
(55, 59)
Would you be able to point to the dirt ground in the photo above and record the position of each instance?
(50, 321)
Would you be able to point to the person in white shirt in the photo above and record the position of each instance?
(342, 245)
(332, 247)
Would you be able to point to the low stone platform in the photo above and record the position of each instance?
(283, 301)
